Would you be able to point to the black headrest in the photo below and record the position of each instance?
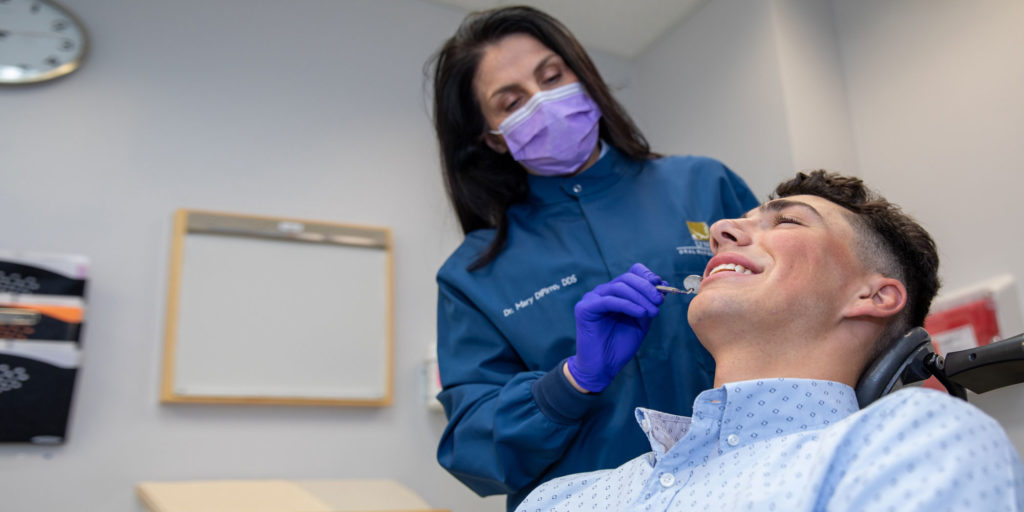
(904, 358)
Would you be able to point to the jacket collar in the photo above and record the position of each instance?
(606, 172)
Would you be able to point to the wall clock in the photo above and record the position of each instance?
(39, 41)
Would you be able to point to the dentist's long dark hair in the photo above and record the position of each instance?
(480, 182)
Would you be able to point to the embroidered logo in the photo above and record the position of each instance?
(701, 235)
(699, 231)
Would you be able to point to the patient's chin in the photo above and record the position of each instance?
(711, 312)
(701, 312)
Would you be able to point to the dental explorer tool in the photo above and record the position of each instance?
(691, 285)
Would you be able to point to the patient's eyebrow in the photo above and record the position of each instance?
(778, 205)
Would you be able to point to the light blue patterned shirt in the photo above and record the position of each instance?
(802, 445)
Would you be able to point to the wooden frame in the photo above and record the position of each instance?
(319, 495)
(264, 310)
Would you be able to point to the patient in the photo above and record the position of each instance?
(800, 296)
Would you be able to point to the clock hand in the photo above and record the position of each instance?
(5, 32)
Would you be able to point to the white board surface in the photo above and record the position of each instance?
(272, 319)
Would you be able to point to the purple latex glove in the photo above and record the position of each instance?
(611, 321)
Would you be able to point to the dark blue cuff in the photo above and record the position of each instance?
(558, 400)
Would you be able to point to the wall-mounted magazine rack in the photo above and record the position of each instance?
(42, 309)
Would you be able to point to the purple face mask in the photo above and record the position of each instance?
(555, 132)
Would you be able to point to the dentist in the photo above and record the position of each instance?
(557, 192)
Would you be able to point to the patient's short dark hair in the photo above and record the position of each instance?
(890, 242)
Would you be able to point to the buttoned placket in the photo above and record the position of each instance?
(667, 475)
(706, 424)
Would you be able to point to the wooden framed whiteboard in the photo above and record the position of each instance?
(278, 311)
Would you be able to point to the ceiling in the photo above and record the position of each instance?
(624, 28)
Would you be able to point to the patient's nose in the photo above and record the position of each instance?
(728, 232)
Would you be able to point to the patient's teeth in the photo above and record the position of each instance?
(730, 267)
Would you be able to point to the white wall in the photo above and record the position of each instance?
(753, 84)
(712, 87)
(311, 109)
(817, 113)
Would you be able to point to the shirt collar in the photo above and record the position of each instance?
(740, 413)
(609, 168)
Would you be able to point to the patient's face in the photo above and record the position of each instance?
(789, 264)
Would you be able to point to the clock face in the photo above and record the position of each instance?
(38, 41)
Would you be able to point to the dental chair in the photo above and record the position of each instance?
(913, 359)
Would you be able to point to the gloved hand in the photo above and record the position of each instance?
(611, 321)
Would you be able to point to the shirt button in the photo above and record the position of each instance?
(645, 425)
(733, 439)
(577, 188)
(667, 479)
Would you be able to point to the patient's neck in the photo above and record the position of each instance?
(779, 356)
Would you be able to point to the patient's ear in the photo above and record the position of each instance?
(881, 297)
(495, 142)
